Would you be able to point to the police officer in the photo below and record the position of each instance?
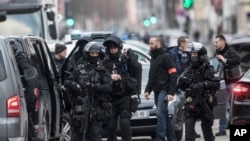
(200, 85)
(119, 67)
(91, 83)
(30, 83)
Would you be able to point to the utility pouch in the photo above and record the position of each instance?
(131, 84)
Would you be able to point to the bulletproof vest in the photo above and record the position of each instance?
(197, 75)
(88, 75)
(118, 67)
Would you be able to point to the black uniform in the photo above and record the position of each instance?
(30, 83)
(126, 67)
(91, 106)
(200, 85)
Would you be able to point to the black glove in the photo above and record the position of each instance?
(199, 85)
(184, 80)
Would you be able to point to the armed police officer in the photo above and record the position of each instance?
(122, 69)
(200, 85)
(91, 84)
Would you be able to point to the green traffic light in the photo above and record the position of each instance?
(70, 22)
(146, 22)
(187, 3)
(153, 20)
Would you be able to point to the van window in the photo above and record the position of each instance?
(2, 68)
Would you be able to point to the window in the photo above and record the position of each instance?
(3, 74)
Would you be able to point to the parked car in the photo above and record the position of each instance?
(138, 44)
(52, 121)
(240, 102)
(242, 46)
(13, 111)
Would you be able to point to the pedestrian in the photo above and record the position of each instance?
(200, 85)
(90, 85)
(60, 55)
(162, 81)
(230, 61)
(122, 67)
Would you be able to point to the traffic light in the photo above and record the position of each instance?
(153, 20)
(187, 3)
(146, 22)
(70, 21)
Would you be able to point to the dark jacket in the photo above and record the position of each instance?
(199, 84)
(232, 60)
(58, 63)
(126, 67)
(162, 73)
(180, 59)
(104, 81)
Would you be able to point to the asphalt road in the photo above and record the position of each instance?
(197, 128)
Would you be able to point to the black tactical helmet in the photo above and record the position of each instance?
(196, 47)
(92, 47)
(113, 39)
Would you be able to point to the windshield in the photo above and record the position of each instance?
(23, 24)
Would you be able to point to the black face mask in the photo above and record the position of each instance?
(195, 62)
(93, 59)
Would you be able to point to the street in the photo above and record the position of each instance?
(198, 129)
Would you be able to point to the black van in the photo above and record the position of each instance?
(51, 119)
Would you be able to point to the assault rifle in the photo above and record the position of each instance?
(198, 99)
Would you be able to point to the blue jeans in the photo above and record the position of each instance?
(164, 124)
(223, 120)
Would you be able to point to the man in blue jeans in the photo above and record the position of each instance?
(162, 80)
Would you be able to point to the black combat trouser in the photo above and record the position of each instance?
(121, 112)
(93, 132)
(206, 126)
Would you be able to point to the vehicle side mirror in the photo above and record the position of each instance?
(53, 31)
(51, 16)
(30, 73)
(3, 16)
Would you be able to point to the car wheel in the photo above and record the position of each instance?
(178, 134)
(66, 129)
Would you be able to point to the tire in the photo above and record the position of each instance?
(66, 128)
(179, 134)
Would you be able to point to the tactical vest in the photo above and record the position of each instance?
(88, 75)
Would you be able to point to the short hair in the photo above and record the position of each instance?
(181, 39)
(222, 37)
(158, 38)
